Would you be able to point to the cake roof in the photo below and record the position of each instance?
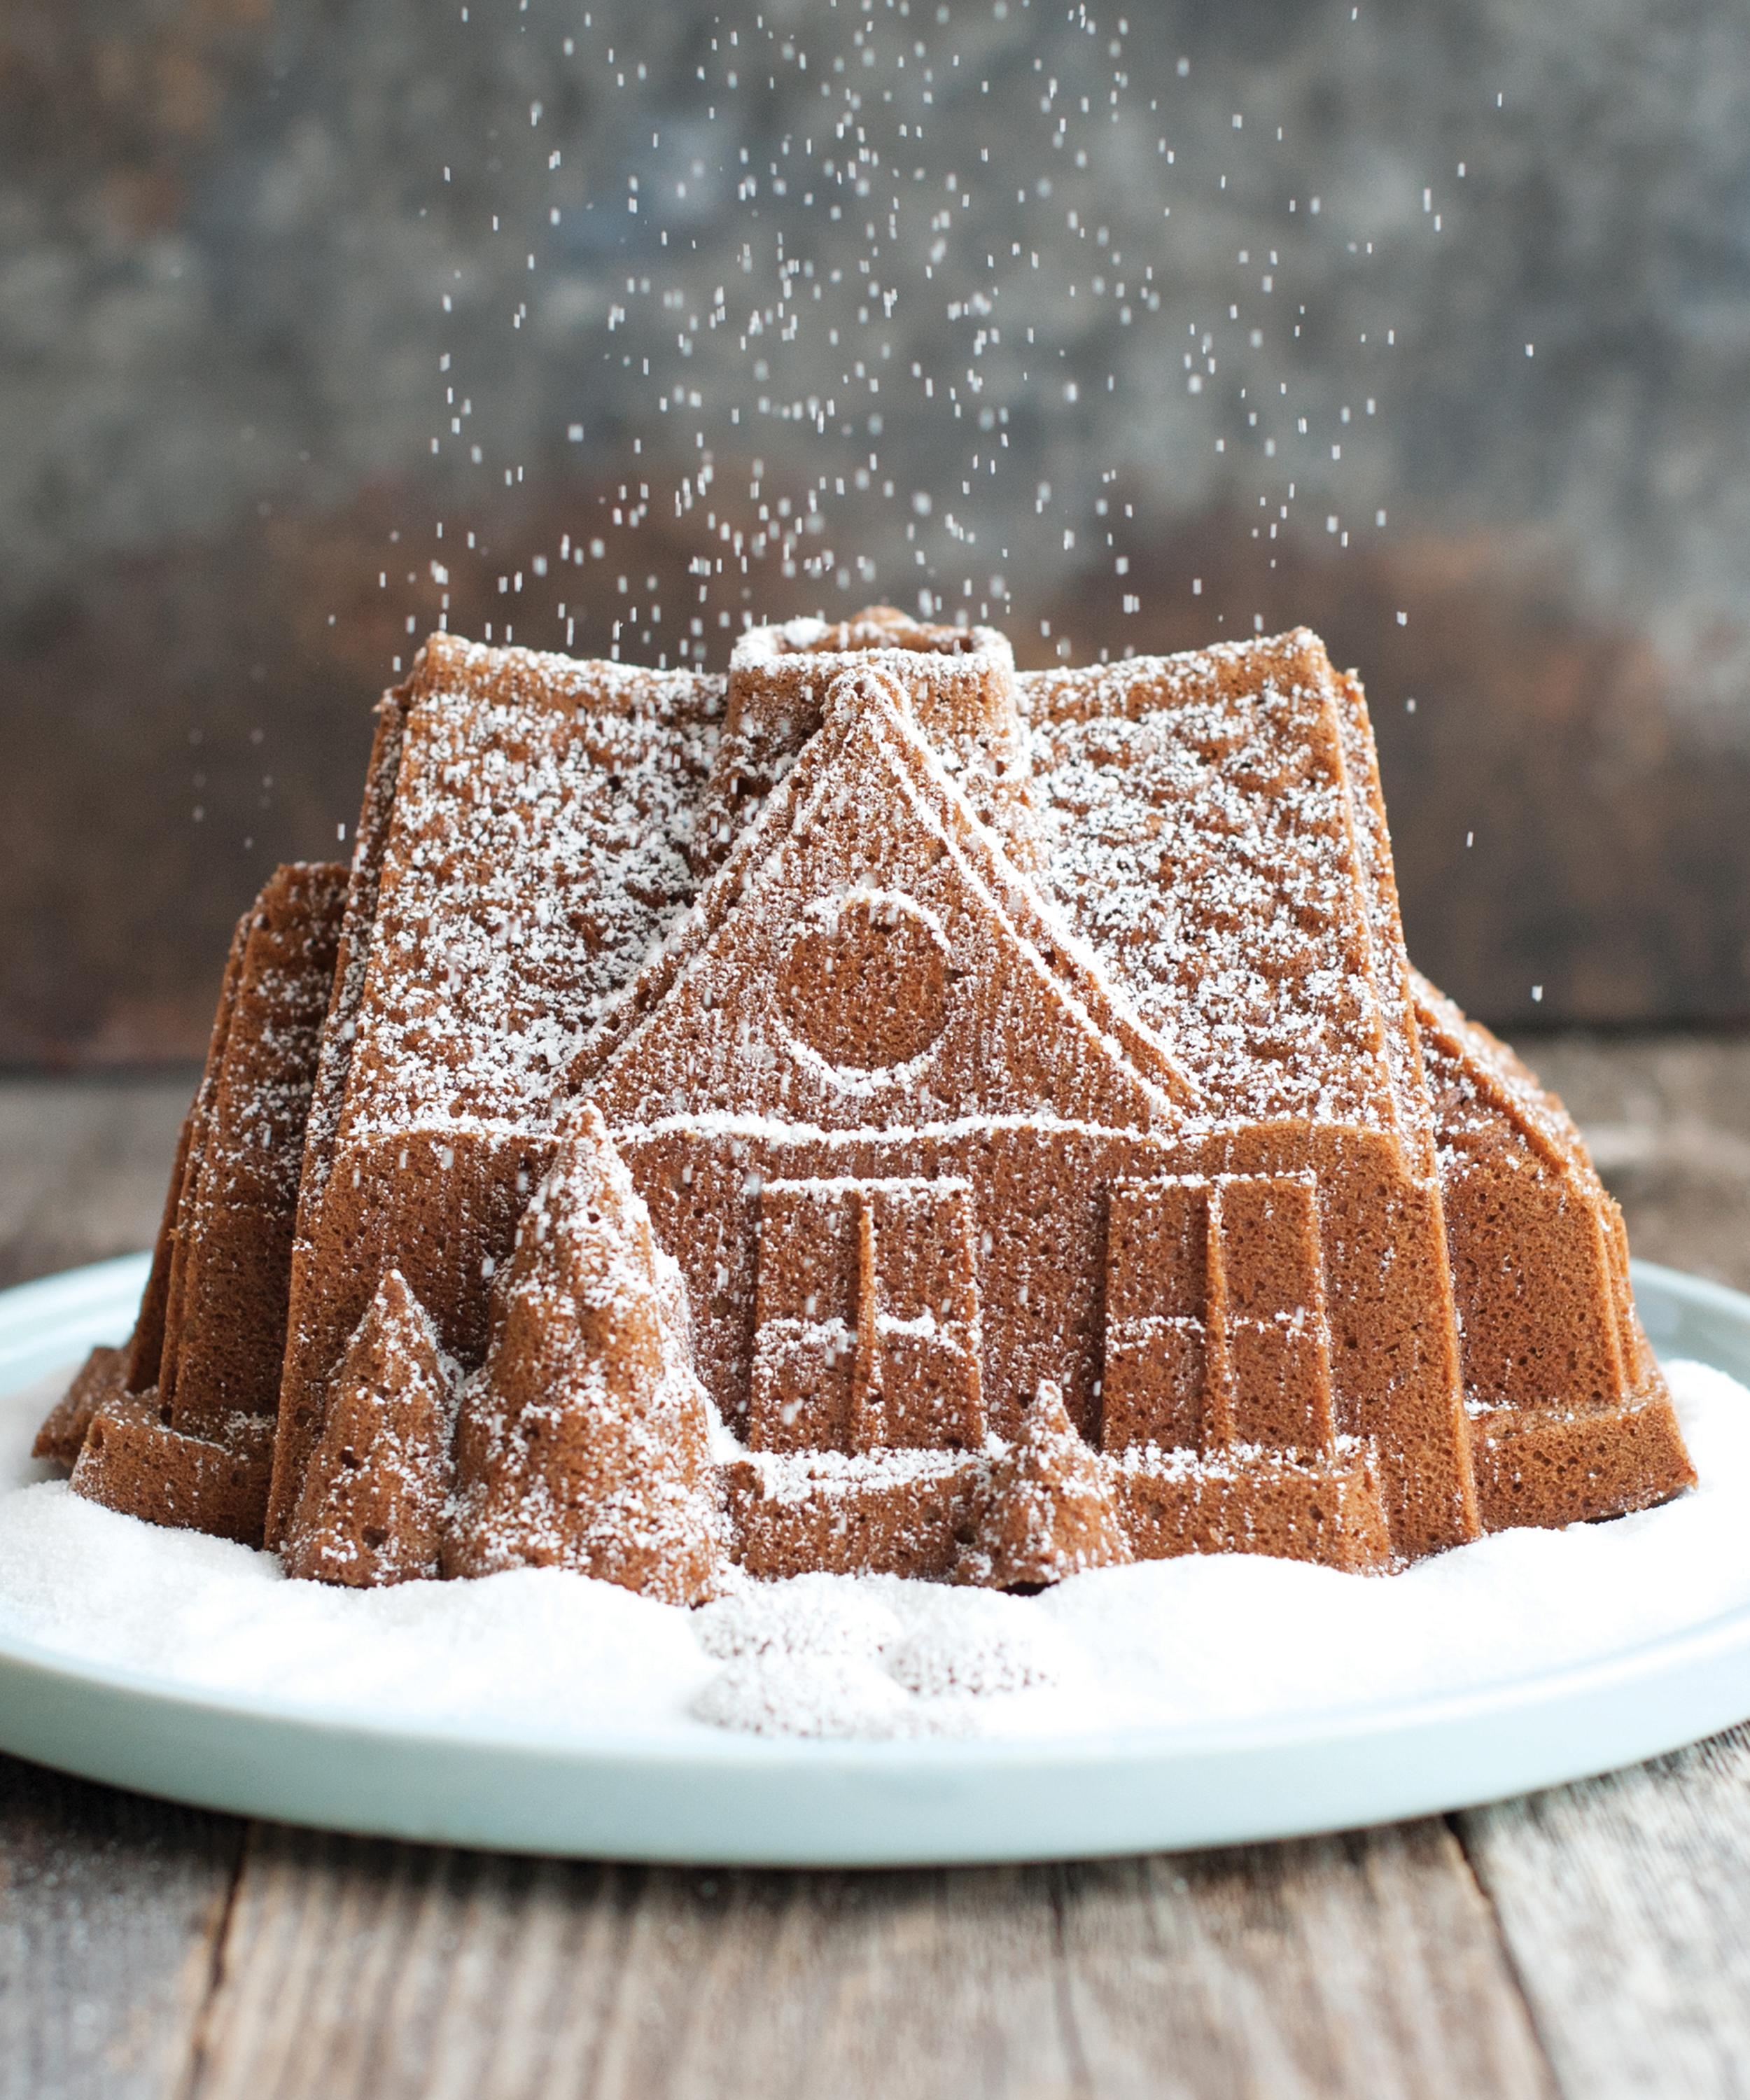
(1196, 847)
(536, 850)
(1212, 827)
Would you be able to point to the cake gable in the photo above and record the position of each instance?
(958, 683)
(866, 959)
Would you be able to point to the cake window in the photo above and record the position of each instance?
(867, 1325)
(1216, 1332)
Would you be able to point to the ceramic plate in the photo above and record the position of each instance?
(753, 1800)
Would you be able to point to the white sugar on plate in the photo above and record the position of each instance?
(813, 1616)
(781, 1695)
(1172, 1644)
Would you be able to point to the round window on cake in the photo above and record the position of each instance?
(866, 985)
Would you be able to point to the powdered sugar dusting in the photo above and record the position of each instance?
(976, 1643)
(814, 1615)
(813, 1696)
(538, 852)
(1198, 825)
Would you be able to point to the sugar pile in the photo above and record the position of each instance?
(1158, 1644)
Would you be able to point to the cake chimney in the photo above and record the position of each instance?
(958, 683)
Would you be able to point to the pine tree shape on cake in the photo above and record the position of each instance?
(372, 1508)
(584, 1437)
(1048, 1512)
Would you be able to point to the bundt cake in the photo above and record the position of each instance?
(880, 1112)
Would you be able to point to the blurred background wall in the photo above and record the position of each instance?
(1127, 327)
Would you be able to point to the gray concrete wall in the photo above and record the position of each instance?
(1126, 326)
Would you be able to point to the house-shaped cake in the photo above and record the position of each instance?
(880, 1112)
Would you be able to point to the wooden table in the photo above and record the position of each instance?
(1594, 1940)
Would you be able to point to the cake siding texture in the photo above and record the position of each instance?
(103, 1378)
(185, 1436)
(524, 842)
(799, 1103)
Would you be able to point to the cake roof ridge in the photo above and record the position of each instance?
(511, 674)
(876, 629)
(960, 682)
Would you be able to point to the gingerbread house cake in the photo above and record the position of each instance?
(881, 1111)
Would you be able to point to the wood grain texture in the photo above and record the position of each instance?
(1625, 1901)
(1363, 1965)
(111, 1906)
(110, 1910)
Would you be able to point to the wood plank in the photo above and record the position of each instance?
(110, 1910)
(111, 1906)
(1363, 1964)
(362, 1969)
(1625, 1901)
(1367, 1965)
(353, 1966)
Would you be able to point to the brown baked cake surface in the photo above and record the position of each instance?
(882, 1112)
(184, 1435)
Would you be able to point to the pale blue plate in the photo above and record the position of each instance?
(783, 1803)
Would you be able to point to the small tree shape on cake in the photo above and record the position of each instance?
(371, 1509)
(584, 1437)
(1047, 1512)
